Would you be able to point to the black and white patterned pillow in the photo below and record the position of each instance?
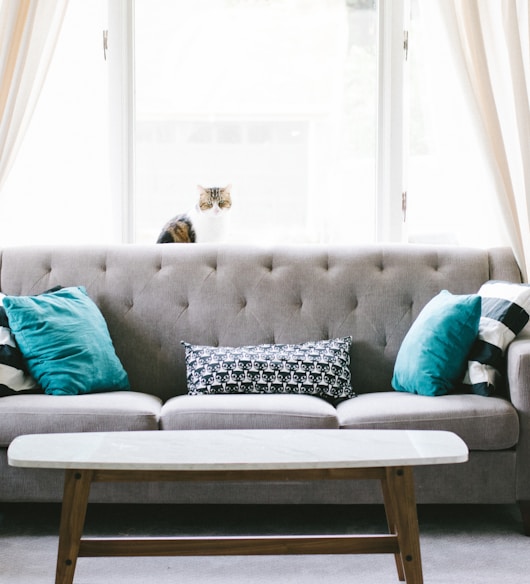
(320, 368)
(505, 312)
(14, 376)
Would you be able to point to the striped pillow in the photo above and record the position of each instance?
(14, 376)
(505, 312)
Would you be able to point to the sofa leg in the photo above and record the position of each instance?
(524, 507)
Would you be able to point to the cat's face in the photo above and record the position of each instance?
(215, 201)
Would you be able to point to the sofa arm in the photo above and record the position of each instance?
(518, 376)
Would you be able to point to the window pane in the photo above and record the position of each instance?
(58, 189)
(451, 191)
(277, 98)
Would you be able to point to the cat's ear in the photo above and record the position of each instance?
(201, 189)
(227, 188)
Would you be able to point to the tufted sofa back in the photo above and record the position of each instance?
(153, 297)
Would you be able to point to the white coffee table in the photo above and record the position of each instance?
(213, 455)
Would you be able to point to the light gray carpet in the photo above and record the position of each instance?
(459, 544)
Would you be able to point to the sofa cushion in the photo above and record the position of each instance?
(65, 341)
(98, 412)
(505, 312)
(14, 374)
(433, 355)
(484, 423)
(247, 411)
(320, 368)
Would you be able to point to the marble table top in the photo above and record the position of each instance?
(236, 449)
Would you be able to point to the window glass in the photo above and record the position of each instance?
(276, 97)
(451, 189)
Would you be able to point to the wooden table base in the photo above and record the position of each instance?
(398, 493)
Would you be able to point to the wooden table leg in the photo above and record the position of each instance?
(390, 518)
(400, 492)
(75, 498)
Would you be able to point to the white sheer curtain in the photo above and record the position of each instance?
(494, 36)
(28, 35)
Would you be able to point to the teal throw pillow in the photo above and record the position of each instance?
(65, 341)
(433, 355)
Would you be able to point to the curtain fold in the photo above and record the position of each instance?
(29, 30)
(494, 36)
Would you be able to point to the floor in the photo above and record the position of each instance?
(480, 544)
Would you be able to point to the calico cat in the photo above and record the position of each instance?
(206, 222)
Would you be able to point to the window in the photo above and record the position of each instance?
(308, 108)
(277, 98)
(58, 189)
(450, 187)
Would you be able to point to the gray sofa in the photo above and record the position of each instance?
(153, 297)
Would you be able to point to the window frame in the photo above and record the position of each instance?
(391, 119)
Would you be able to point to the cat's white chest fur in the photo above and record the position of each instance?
(210, 226)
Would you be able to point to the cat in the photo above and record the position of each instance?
(206, 222)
